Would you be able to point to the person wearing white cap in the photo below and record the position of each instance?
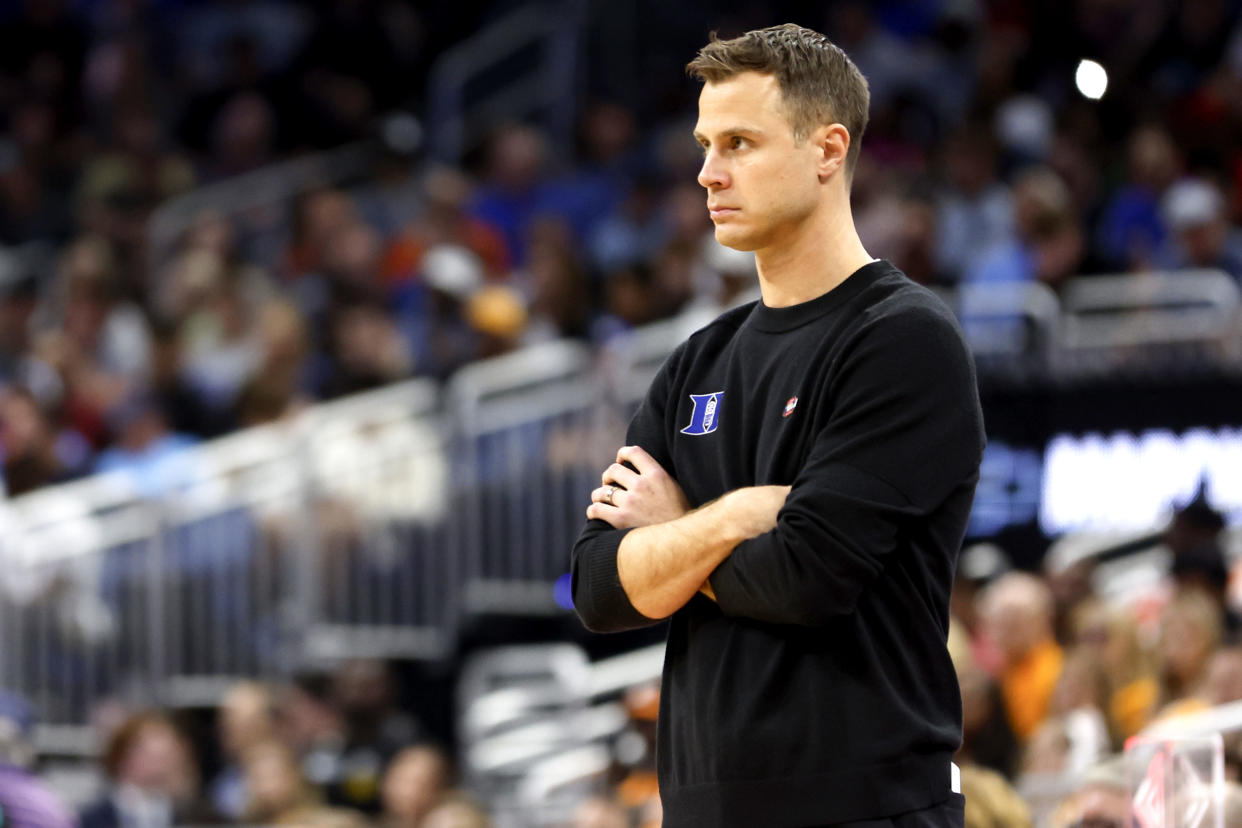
(1200, 232)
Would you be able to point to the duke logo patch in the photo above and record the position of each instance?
(703, 419)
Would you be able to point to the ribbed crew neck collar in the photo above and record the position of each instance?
(776, 320)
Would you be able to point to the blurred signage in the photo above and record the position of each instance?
(1122, 482)
(1008, 491)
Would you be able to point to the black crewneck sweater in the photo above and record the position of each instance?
(817, 688)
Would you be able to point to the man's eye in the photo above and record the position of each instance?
(737, 142)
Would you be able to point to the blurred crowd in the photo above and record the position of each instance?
(328, 750)
(323, 750)
(1060, 670)
(982, 163)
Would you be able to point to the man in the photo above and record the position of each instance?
(1017, 614)
(796, 486)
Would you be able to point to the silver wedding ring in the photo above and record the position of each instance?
(608, 497)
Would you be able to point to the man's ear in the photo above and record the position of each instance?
(832, 141)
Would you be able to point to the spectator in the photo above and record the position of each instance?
(600, 179)
(1074, 737)
(246, 719)
(975, 210)
(498, 316)
(25, 801)
(446, 221)
(555, 283)
(375, 731)
(19, 294)
(1110, 634)
(317, 216)
(120, 187)
(457, 811)
(276, 791)
(988, 739)
(1132, 229)
(312, 727)
(977, 566)
(914, 250)
(635, 229)
(394, 195)
(34, 199)
(175, 395)
(1047, 242)
(1103, 798)
(1017, 616)
(1190, 630)
(217, 334)
(106, 334)
(414, 784)
(153, 782)
(282, 382)
(243, 136)
(1223, 682)
(152, 457)
(33, 453)
(367, 350)
(515, 191)
(1200, 232)
(431, 316)
(1194, 537)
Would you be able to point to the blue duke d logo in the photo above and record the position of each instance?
(703, 418)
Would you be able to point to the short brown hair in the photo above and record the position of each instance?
(819, 83)
(127, 735)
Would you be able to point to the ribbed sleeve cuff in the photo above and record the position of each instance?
(599, 598)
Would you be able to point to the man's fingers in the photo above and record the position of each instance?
(600, 510)
(621, 475)
(611, 515)
(606, 494)
(639, 459)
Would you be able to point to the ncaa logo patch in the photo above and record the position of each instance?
(703, 419)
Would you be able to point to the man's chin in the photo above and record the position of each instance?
(733, 237)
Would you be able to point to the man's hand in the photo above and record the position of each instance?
(630, 498)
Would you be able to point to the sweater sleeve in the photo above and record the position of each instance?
(599, 598)
(902, 431)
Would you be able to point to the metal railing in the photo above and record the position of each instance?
(267, 548)
(260, 197)
(463, 108)
(538, 723)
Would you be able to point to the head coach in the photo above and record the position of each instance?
(796, 485)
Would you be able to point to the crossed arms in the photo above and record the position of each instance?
(903, 435)
(672, 549)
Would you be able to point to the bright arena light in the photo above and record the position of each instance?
(1091, 78)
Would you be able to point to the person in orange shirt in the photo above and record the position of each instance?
(1017, 615)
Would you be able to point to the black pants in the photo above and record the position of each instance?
(948, 814)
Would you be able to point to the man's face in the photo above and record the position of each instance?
(762, 186)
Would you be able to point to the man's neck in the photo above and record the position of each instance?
(821, 256)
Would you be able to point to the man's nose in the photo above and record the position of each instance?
(712, 175)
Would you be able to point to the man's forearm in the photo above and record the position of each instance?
(663, 565)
